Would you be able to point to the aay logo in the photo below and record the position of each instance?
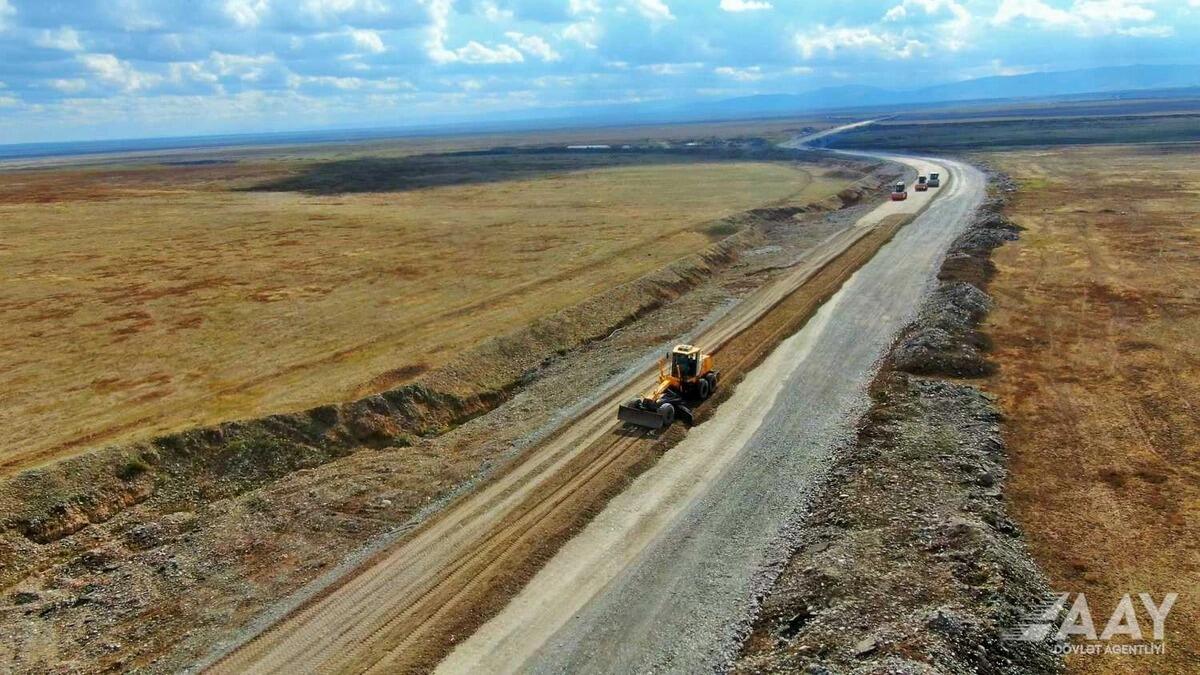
(1059, 618)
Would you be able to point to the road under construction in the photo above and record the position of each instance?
(560, 563)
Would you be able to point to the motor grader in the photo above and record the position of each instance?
(685, 377)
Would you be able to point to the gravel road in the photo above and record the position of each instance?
(664, 579)
(627, 589)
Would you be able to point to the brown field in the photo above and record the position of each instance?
(145, 298)
(1097, 332)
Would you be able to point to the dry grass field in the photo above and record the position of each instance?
(145, 298)
(1097, 331)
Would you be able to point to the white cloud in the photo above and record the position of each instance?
(9, 101)
(343, 83)
(670, 68)
(586, 33)
(654, 10)
(367, 41)
(69, 86)
(744, 5)
(1112, 11)
(1086, 17)
(1147, 31)
(909, 8)
(472, 52)
(439, 25)
(954, 25)
(394, 84)
(476, 52)
(247, 68)
(1034, 10)
(64, 38)
(111, 70)
(492, 12)
(329, 11)
(191, 71)
(998, 68)
(245, 13)
(832, 41)
(582, 7)
(6, 11)
(740, 74)
(533, 46)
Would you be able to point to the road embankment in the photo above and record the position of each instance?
(906, 556)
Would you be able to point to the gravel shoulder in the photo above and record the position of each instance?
(906, 559)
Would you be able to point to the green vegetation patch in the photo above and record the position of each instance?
(1026, 132)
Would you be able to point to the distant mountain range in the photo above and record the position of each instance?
(1142, 81)
(1030, 85)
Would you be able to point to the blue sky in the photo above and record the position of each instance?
(130, 68)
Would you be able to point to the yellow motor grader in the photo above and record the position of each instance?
(685, 378)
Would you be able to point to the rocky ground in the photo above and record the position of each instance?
(907, 560)
(150, 556)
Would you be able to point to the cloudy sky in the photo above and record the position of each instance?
(129, 68)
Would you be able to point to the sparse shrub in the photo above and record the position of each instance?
(256, 504)
(721, 229)
(132, 468)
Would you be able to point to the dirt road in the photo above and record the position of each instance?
(404, 608)
(809, 140)
(660, 580)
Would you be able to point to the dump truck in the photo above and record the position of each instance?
(899, 192)
(935, 179)
(922, 184)
(685, 377)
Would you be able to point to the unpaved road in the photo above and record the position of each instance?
(663, 578)
(802, 141)
(403, 606)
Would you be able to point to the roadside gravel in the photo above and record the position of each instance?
(906, 560)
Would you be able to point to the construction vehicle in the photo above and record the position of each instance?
(899, 192)
(685, 377)
(935, 179)
(922, 184)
